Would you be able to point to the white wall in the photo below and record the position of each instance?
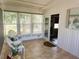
(67, 39)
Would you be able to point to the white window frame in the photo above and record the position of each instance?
(31, 25)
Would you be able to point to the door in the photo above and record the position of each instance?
(54, 27)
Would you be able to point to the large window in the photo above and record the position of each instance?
(25, 23)
(37, 21)
(28, 23)
(10, 22)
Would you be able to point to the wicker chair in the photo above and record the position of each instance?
(16, 46)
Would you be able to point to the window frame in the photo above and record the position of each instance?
(5, 24)
(31, 25)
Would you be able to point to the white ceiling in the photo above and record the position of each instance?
(40, 2)
(30, 3)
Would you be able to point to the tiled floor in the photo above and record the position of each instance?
(35, 49)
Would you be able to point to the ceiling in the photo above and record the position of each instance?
(30, 3)
(39, 2)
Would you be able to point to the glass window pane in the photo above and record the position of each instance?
(10, 18)
(25, 29)
(37, 28)
(25, 22)
(10, 22)
(8, 28)
(56, 25)
(37, 18)
(25, 18)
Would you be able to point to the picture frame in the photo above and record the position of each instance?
(73, 18)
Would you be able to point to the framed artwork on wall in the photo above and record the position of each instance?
(73, 18)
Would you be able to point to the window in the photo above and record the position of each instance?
(25, 23)
(37, 21)
(10, 22)
(56, 25)
(37, 28)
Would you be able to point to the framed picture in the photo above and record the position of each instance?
(73, 18)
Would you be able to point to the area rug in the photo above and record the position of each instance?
(49, 44)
